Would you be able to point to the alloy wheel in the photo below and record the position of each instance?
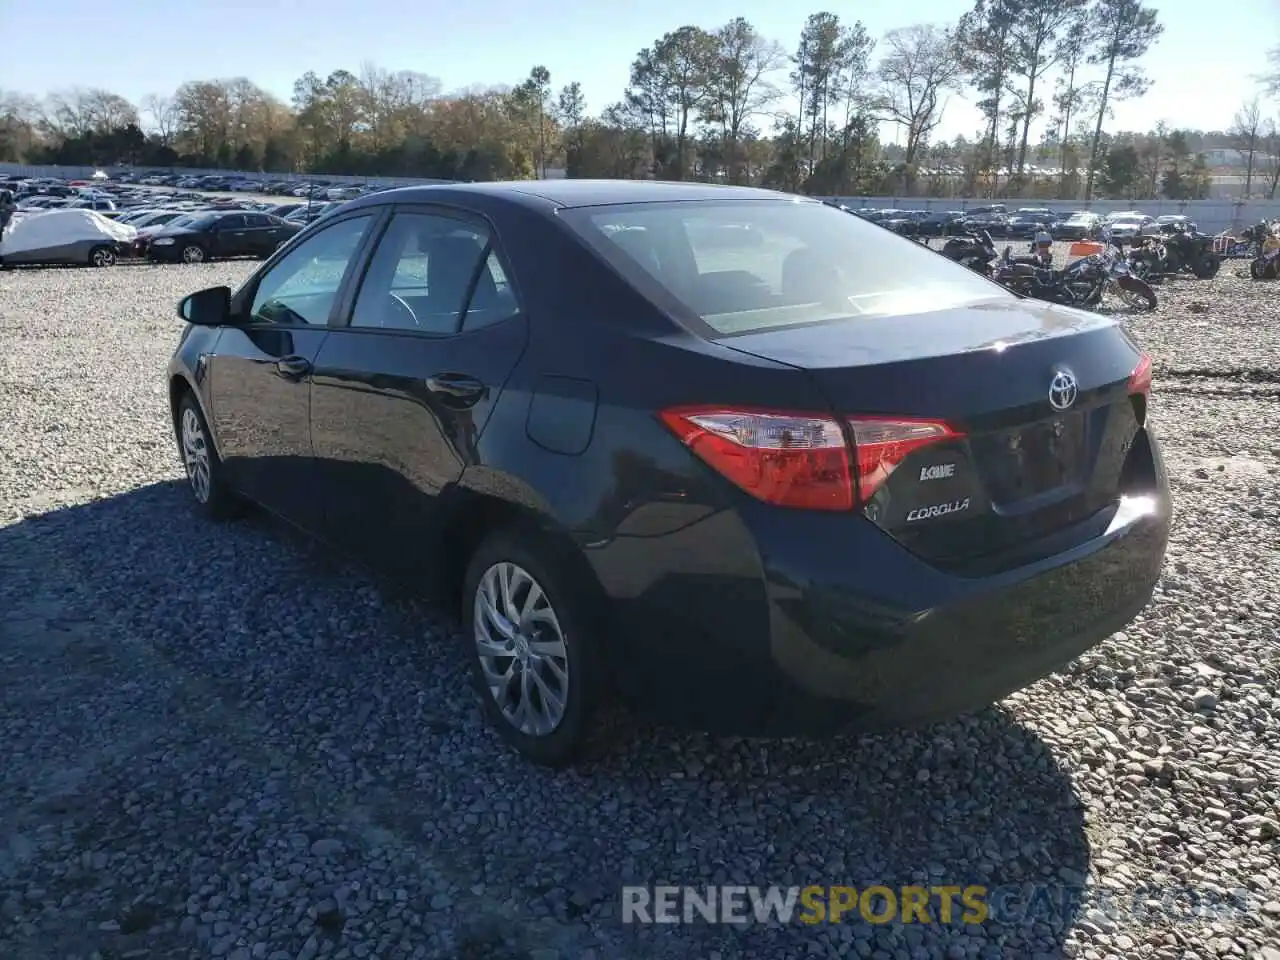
(102, 257)
(192, 254)
(195, 454)
(521, 649)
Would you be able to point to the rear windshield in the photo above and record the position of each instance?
(745, 266)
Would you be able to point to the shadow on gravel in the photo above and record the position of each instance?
(150, 661)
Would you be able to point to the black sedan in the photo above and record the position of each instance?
(724, 453)
(941, 223)
(218, 234)
(1026, 223)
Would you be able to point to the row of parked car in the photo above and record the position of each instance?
(315, 188)
(92, 223)
(1022, 223)
(115, 198)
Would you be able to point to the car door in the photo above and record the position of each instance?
(402, 392)
(260, 371)
(261, 236)
(229, 236)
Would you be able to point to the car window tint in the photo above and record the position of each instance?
(493, 299)
(743, 266)
(301, 287)
(420, 275)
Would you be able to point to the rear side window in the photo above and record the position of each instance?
(434, 275)
(746, 266)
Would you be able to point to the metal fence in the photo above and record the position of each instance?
(1212, 216)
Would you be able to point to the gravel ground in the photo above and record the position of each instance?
(223, 742)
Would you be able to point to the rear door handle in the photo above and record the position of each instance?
(293, 367)
(457, 387)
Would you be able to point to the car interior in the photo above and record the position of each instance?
(422, 273)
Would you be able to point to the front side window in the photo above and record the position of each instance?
(302, 286)
(744, 266)
(423, 273)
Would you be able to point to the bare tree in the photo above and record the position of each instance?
(740, 85)
(1270, 143)
(1245, 132)
(161, 113)
(1269, 79)
(918, 68)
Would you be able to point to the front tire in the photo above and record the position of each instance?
(205, 474)
(193, 253)
(534, 660)
(1136, 293)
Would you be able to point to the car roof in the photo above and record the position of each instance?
(571, 193)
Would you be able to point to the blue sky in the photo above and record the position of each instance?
(135, 47)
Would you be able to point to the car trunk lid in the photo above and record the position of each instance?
(1038, 398)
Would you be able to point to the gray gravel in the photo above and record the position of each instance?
(224, 742)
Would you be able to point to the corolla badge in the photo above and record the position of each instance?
(1063, 390)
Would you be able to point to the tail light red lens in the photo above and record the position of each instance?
(1140, 379)
(883, 443)
(791, 460)
(799, 459)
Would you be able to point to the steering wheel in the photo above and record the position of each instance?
(404, 310)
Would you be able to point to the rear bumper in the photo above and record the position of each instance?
(845, 629)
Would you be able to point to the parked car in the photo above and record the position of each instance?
(941, 223)
(1081, 225)
(1129, 226)
(1028, 221)
(305, 213)
(64, 238)
(823, 480)
(217, 235)
(1176, 221)
(994, 219)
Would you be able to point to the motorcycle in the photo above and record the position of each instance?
(1249, 245)
(1081, 283)
(1266, 265)
(1176, 251)
(973, 250)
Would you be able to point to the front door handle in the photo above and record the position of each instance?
(458, 388)
(293, 368)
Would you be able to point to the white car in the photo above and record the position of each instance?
(65, 237)
(1131, 225)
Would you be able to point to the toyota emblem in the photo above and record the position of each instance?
(1063, 390)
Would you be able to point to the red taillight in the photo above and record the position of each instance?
(787, 459)
(884, 442)
(1140, 379)
(801, 459)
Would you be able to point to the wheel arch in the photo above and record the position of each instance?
(179, 386)
(488, 501)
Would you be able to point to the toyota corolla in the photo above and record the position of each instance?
(727, 454)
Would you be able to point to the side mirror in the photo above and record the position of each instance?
(206, 308)
(1008, 252)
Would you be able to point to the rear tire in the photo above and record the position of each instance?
(102, 256)
(542, 702)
